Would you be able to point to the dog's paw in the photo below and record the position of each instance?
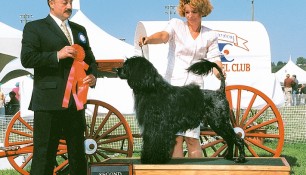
(240, 160)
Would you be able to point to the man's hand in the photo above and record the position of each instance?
(66, 52)
(90, 79)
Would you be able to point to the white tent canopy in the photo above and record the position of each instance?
(10, 47)
(292, 69)
(14, 69)
(104, 46)
(10, 40)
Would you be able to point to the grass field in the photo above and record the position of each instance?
(293, 152)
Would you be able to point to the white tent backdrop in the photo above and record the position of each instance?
(14, 69)
(10, 47)
(104, 46)
(10, 40)
(291, 68)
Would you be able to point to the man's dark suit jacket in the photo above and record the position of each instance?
(40, 43)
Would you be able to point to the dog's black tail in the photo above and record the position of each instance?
(204, 67)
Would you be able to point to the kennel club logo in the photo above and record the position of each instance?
(228, 40)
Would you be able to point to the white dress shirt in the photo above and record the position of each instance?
(184, 51)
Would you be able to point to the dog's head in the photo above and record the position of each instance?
(140, 74)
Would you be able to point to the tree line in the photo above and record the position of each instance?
(300, 61)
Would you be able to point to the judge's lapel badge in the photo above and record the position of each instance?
(82, 37)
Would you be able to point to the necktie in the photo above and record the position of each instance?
(65, 30)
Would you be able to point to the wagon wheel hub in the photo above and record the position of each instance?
(90, 146)
(240, 132)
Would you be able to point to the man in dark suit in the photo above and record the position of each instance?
(46, 48)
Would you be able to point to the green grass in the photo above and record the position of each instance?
(293, 152)
(296, 157)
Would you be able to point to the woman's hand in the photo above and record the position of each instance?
(142, 41)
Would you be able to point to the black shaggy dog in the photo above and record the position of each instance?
(162, 109)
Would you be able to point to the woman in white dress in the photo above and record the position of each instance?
(188, 41)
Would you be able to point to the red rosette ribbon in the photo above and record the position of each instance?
(75, 80)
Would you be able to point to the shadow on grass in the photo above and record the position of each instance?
(292, 162)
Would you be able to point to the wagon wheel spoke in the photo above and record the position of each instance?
(62, 151)
(21, 133)
(238, 106)
(61, 166)
(93, 122)
(98, 156)
(256, 116)
(108, 134)
(232, 115)
(106, 118)
(252, 151)
(89, 158)
(102, 154)
(262, 146)
(247, 111)
(262, 135)
(212, 146)
(26, 162)
(218, 152)
(113, 139)
(26, 143)
(109, 131)
(261, 125)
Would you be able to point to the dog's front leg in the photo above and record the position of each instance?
(157, 146)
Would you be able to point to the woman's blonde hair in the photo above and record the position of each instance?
(204, 7)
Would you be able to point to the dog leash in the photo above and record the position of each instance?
(142, 51)
(143, 39)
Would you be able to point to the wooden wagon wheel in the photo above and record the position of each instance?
(19, 138)
(107, 135)
(255, 118)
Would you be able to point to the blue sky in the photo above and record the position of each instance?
(284, 20)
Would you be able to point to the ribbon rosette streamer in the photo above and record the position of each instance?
(75, 80)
